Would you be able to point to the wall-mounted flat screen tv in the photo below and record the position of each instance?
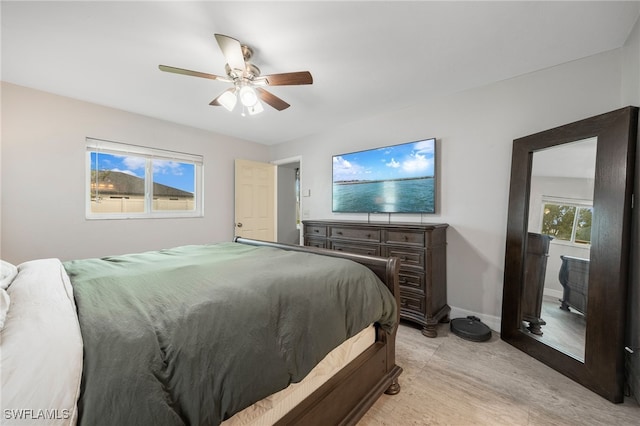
(392, 179)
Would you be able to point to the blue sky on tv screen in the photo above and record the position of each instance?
(171, 173)
(409, 160)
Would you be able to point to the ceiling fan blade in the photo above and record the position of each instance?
(191, 73)
(232, 51)
(271, 99)
(289, 78)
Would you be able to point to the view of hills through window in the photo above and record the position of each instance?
(118, 184)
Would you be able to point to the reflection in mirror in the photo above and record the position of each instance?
(555, 288)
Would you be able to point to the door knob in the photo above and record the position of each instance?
(239, 225)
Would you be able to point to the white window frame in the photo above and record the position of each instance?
(150, 154)
(577, 203)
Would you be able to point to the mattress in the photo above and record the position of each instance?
(271, 409)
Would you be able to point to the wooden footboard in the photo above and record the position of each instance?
(347, 396)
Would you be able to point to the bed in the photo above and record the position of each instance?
(574, 277)
(149, 338)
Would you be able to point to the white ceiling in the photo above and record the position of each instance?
(366, 57)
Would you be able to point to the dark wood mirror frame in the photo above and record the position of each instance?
(603, 368)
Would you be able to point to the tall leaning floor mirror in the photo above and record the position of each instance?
(567, 249)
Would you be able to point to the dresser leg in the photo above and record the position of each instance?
(430, 330)
(534, 327)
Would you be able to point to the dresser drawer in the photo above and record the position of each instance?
(366, 249)
(315, 242)
(412, 302)
(360, 234)
(414, 238)
(408, 257)
(412, 280)
(319, 231)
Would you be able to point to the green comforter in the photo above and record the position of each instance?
(194, 334)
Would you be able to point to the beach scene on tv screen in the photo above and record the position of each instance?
(392, 179)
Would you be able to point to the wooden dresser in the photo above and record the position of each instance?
(421, 248)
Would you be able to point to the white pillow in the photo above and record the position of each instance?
(7, 273)
(41, 356)
(5, 300)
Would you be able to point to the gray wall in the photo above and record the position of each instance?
(43, 179)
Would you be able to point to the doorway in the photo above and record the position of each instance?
(288, 201)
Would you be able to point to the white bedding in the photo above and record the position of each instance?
(7, 273)
(41, 355)
(40, 348)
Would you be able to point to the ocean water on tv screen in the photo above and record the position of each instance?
(388, 196)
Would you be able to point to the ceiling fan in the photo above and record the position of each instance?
(247, 82)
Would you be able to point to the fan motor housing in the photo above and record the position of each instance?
(250, 72)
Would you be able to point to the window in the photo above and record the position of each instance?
(567, 221)
(128, 181)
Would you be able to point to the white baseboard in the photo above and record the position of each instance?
(493, 321)
(557, 294)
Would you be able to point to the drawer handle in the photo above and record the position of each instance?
(369, 253)
(316, 230)
(339, 249)
(368, 235)
(406, 238)
(339, 232)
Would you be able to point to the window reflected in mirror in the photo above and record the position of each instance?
(567, 222)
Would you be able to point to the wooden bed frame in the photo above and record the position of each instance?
(347, 396)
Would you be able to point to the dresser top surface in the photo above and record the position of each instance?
(405, 225)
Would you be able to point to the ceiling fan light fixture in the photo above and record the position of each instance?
(252, 110)
(257, 108)
(248, 96)
(246, 79)
(228, 100)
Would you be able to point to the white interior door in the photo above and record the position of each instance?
(255, 195)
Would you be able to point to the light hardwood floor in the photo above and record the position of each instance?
(452, 381)
(564, 330)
